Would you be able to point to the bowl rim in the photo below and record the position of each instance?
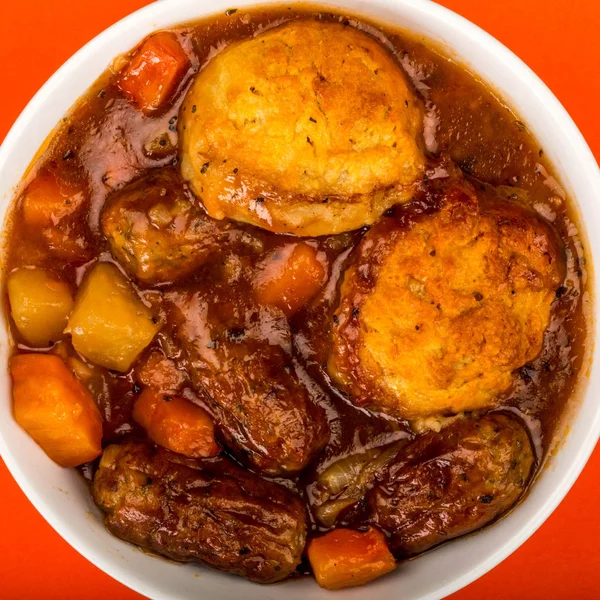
(478, 36)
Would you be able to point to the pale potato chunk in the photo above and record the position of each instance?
(110, 325)
(40, 305)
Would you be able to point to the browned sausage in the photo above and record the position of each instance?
(238, 357)
(445, 484)
(157, 233)
(207, 511)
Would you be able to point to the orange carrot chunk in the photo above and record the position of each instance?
(55, 409)
(176, 424)
(49, 207)
(346, 558)
(46, 202)
(290, 277)
(154, 72)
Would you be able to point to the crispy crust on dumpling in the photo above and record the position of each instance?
(435, 313)
(310, 128)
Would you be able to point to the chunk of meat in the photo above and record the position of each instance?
(238, 356)
(441, 306)
(345, 558)
(40, 304)
(446, 484)
(155, 231)
(207, 511)
(155, 72)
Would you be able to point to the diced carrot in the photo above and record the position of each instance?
(290, 277)
(46, 202)
(159, 372)
(176, 424)
(346, 558)
(49, 208)
(154, 72)
(55, 409)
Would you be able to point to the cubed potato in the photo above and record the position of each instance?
(347, 558)
(40, 305)
(55, 409)
(110, 325)
(159, 372)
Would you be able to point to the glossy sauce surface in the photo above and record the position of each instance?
(105, 142)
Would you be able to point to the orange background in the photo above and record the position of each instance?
(559, 40)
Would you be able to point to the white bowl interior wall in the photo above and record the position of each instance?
(61, 495)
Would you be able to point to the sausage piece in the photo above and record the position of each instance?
(207, 511)
(446, 484)
(157, 233)
(238, 357)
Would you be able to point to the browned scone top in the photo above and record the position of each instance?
(208, 511)
(446, 484)
(438, 309)
(308, 128)
(238, 357)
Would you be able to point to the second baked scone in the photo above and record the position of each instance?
(440, 307)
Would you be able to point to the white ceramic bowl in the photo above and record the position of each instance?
(61, 496)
